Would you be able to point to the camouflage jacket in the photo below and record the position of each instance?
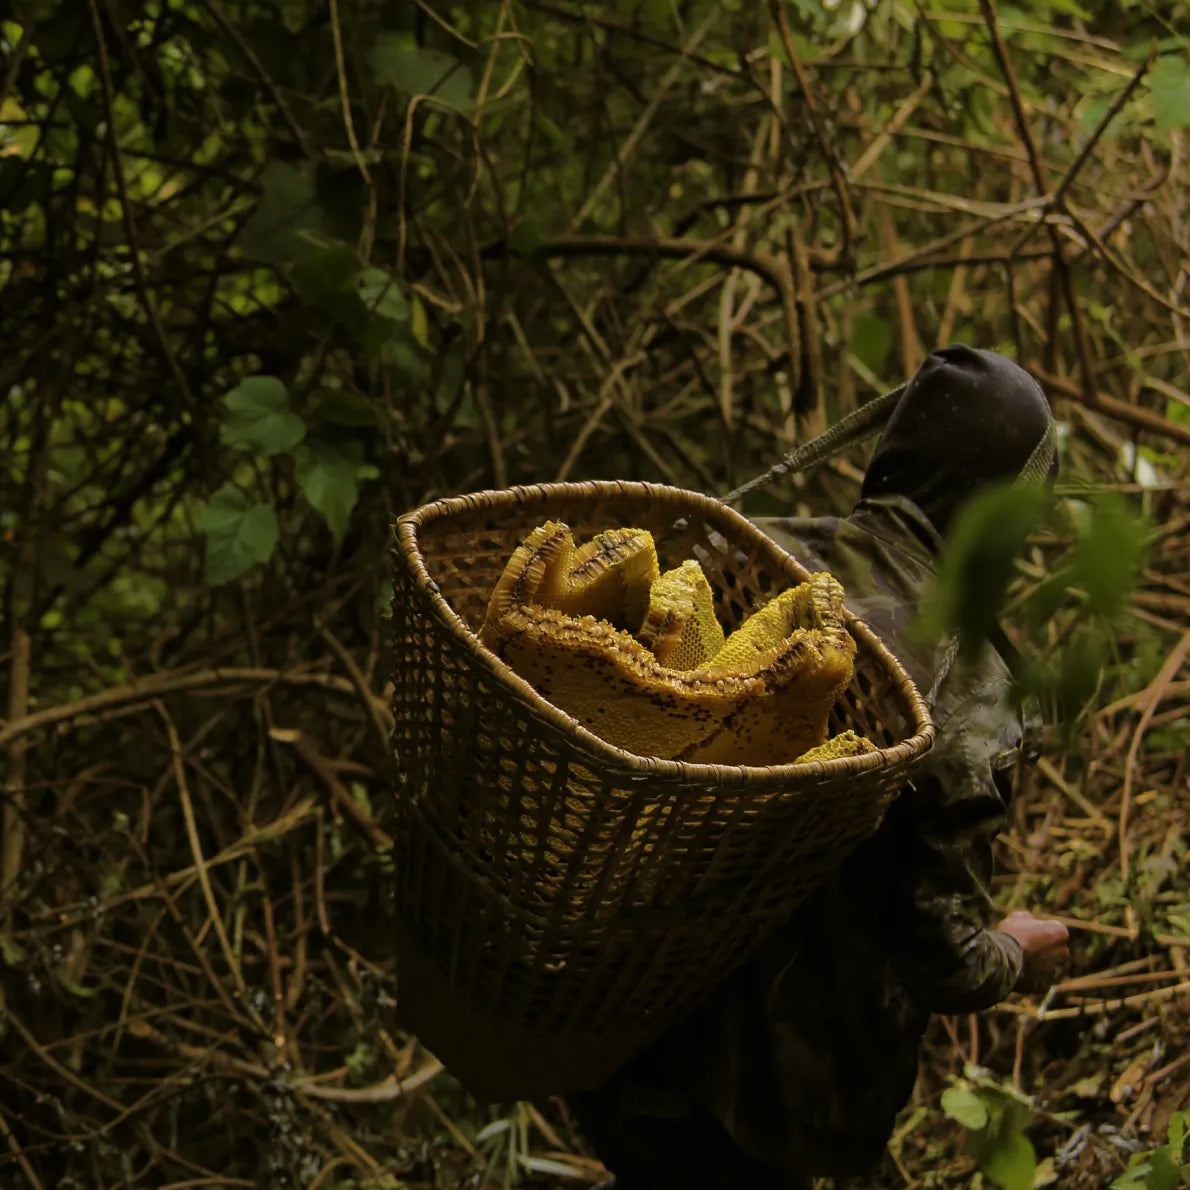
(808, 1052)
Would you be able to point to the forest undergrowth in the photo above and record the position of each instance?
(273, 272)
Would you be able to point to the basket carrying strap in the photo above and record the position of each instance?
(855, 427)
(862, 424)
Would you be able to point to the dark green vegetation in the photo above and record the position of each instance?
(272, 272)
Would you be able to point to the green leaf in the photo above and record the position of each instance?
(419, 323)
(259, 417)
(1080, 669)
(1178, 412)
(398, 61)
(1150, 1171)
(1011, 1162)
(965, 1106)
(329, 475)
(288, 207)
(1108, 559)
(812, 10)
(1179, 1131)
(1169, 84)
(382, 295)
(977, 563)
(238, 533)
(325, 271)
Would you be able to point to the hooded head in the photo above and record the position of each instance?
(968, 418)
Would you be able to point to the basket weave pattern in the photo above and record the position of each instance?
(557, 885)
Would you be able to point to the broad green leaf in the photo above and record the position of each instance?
(977, 563)
(325, 271)
(1179, 1132)
(1133, 1178)
(329, 475)
(238, 534)
(1164, 1173)
(811, 10)
(965, 1106)
(414, 70)
(288, 207)
(1011, 1161)
(1109, 557)
(382, 295)
(1081, 667)
(1169, 84)
(1150, 1171)
(259, 417)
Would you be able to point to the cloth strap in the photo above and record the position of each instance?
(855, 427)
(860, 425)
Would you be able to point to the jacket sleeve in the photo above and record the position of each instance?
(943, 830)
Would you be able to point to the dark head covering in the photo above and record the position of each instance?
(967, 418)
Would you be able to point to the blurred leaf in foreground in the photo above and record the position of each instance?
(977, 563)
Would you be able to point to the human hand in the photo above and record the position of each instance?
(1044, 945)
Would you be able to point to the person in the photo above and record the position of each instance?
(797, 1065)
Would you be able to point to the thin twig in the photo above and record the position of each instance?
(379, 714)
(134, 254)
(829, 153)
(1155, 693)
(13, 820)
(1105, 121)
(146, 690)
(1061, 268)
(1136, 415)
(371, 830)
(18, 56)
(1096, 1007)
(270, 84)
(200, 865)
(345, 95)
(628, 146)
(19, 1154)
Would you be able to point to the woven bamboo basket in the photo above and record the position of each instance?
(561, 901)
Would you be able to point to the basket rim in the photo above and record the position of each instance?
(736, 525)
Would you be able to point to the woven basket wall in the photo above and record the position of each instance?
(561, 901)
